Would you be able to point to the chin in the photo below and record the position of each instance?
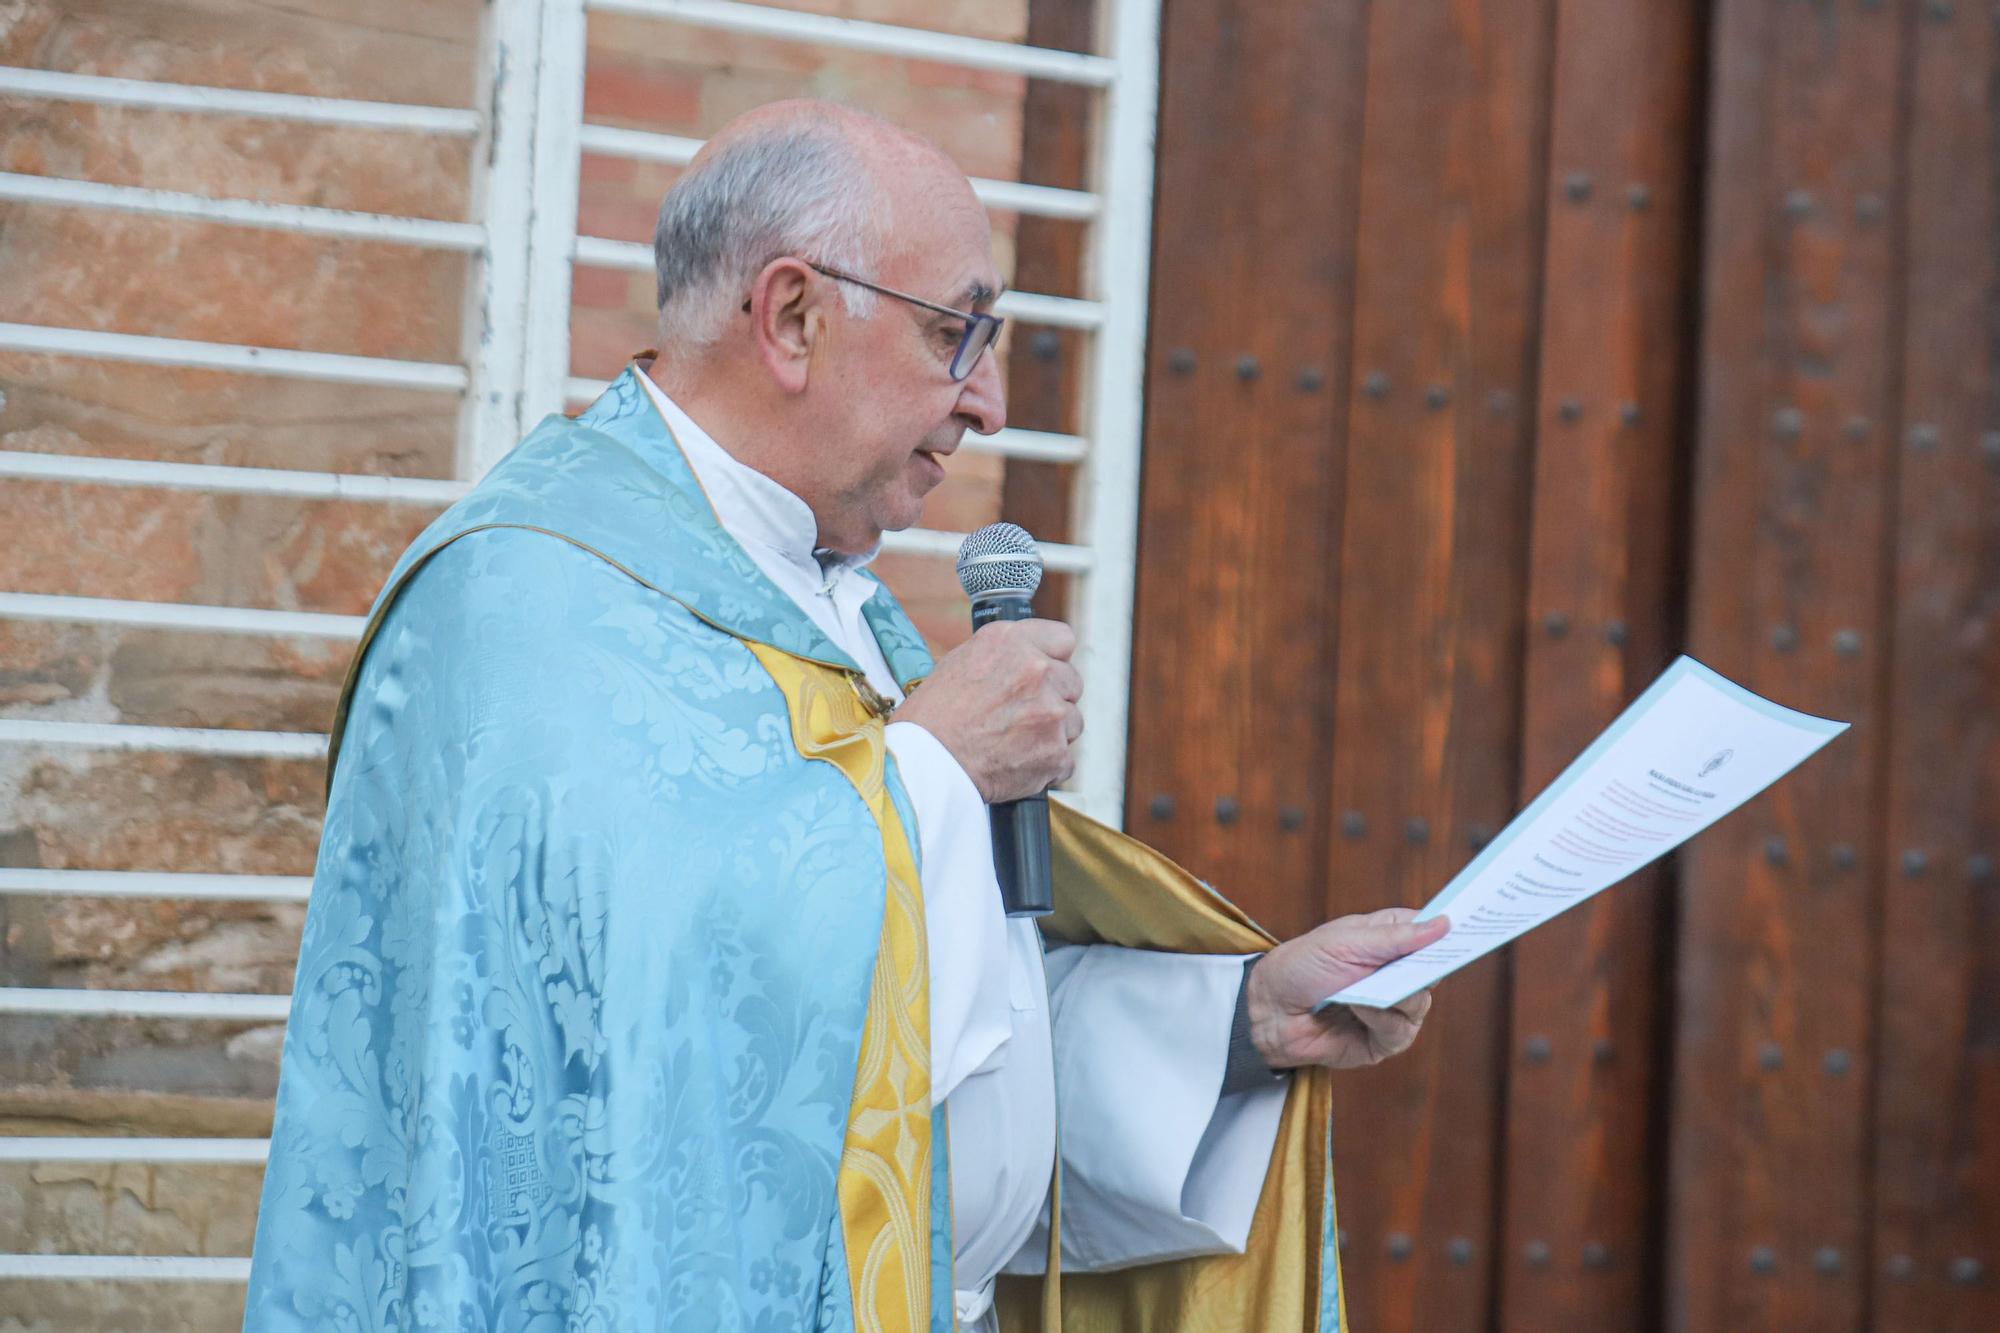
(905, 514)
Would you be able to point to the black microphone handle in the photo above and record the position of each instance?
(1020, 828)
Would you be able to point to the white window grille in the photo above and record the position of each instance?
(526, 140)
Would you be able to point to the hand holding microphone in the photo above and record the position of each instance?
(1004, 703)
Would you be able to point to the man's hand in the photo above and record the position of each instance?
(1004, 703)
(1287, 982)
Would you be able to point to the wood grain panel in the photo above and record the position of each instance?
(1582, 1135)
(1777, 944)
(1432, 587)
(1937, 1156)
(1253, 273)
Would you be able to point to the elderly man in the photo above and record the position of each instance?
(655, 976)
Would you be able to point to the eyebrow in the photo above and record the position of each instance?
(977, 293)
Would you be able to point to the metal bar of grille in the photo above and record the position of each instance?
(176, 740)
(154, 884)
(881, 38)
(464, 237)
(223, 480)
(329, 366)
(206, 1152)
(102, 91)
(223, 1006)
(177, 615)
(123, 1268)
(1060, 312)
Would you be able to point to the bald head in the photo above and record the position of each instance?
(798, 177)
(887, 148)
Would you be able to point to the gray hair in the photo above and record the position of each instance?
(797, 189)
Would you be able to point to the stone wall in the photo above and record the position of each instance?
(76, 808)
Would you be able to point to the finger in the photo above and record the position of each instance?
(1391, 1029)
(1052, 637)
(1376, 943)
(1067, 682)
(1396, 1040)
(1072, 725)
(1415, 1008)
(1383, 1019)
(1383, 1031)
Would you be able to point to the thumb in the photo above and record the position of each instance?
(1379, 942)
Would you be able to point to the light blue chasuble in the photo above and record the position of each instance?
(587, 961)
(583, 1023)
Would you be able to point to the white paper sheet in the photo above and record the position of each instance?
(1689, 750)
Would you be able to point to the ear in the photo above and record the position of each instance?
(787, 317)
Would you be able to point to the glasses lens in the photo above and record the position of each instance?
(979, 335)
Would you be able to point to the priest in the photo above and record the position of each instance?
(654, 975)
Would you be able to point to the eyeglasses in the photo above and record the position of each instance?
(980, 331)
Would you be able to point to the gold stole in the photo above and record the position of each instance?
(884, 1181)
(1109, 889)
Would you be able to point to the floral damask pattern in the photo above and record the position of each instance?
(573, 1040)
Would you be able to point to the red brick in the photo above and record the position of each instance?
(600, 288)
(99, 540)
(618, 217)
(715, 55)
(642, 92)
(319, 556)
(601, 342)
(603, 169)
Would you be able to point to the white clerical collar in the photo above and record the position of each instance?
(751, 506)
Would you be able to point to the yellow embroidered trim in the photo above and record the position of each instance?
(885, 1165)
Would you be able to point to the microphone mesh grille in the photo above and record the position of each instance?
(1000, 557)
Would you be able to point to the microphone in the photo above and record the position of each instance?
(999, 567)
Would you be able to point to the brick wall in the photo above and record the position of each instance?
(100, 810)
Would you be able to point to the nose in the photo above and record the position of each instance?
(982, 398)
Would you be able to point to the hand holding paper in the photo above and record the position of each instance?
(1689, 750)
(1288, 1025)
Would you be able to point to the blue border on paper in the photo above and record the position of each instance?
(1825, 728)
